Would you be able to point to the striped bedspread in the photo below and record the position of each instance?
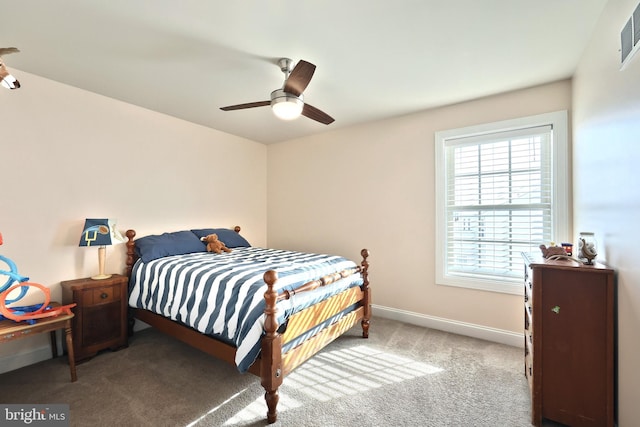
(223, 294)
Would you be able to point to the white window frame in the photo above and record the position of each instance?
(560, 189)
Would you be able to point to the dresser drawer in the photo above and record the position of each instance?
(528, 370)
(103, 295)
(528, 284)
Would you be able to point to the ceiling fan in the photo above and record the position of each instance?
(288, 103)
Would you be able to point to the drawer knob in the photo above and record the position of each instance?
(104, 295)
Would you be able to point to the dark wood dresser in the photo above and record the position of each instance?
(569, 320)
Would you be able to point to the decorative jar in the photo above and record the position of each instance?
(587, 247)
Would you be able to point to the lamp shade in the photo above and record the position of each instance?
(99, 232)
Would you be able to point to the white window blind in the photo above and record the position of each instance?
(501, 190)
(498, 200)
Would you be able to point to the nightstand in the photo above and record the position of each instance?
(100, 320)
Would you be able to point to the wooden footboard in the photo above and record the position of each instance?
(273, 365)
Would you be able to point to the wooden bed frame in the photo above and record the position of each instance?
(273, 365)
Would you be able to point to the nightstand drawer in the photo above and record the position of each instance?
(101, 295)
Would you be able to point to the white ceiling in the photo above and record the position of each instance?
(375, 59)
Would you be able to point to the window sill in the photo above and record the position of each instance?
(504, 286)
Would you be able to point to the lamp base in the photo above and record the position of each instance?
(102, 251)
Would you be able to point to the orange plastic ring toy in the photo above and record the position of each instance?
(40, 313)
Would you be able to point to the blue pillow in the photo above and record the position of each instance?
(229, 237)
(177, 243)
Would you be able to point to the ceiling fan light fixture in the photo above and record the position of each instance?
(286, 106)
(287, 103)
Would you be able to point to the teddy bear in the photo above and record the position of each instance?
(214, 245)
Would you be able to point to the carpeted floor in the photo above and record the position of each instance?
(403, 375)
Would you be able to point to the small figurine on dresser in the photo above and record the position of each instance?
(586, 250)
(555, 253)
(552, 251)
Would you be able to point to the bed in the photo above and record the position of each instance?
(264, 310)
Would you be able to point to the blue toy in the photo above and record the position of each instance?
(27, 313)
(13, 277)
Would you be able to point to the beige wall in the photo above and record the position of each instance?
(373, 186)
(67, 154)
(607, 173)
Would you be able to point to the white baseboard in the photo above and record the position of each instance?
(456, 327)
(33, 355)
(24, 358)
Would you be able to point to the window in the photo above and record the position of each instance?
(501, 189)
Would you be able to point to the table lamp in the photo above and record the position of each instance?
(100, 232)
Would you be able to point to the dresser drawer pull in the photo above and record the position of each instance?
(104, 295)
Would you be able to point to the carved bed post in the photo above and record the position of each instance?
(367, 293)
(131, 259)
(130, 252)
(271, 374)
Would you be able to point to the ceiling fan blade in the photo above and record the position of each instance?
(317, 115)
(299, 78)
(247, 105)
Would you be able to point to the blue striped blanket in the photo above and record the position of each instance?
(223, 294)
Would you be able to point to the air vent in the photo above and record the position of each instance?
(636, 25)
(629, 38)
